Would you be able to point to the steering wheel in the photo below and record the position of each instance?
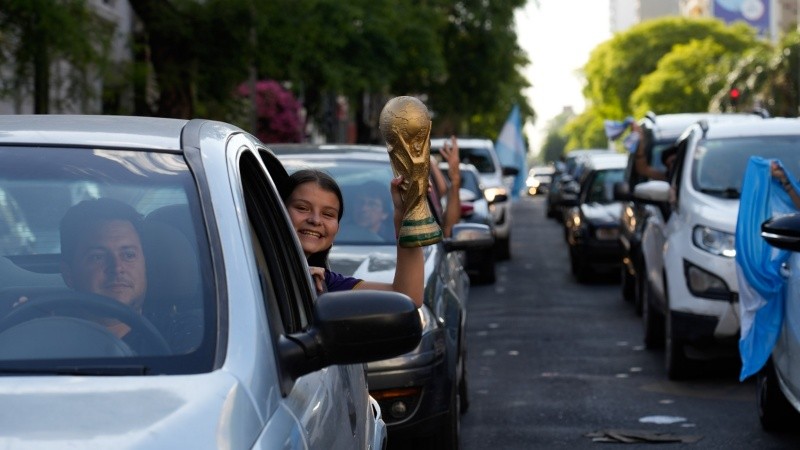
(73, 305)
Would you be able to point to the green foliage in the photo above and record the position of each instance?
(34, 34)
(670, 64)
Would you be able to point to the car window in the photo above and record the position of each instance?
(368, 209)
(601, 185)
(71, 285)
(718, 164)
(480, 157)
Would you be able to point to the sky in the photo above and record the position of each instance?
(558, 36)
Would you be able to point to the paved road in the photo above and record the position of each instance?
(552, 361)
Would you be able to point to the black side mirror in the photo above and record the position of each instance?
(783, 232)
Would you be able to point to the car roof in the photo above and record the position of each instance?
(609, 161)
(328, 151)
(466, 142)
(777, 126)
(670, 126)
(92, 131)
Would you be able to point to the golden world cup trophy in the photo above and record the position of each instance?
(405, 124)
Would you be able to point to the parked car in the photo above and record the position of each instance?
(591, 224)
(232, 347)
(497, 181)
(564, 187)
(778, 382)
(661, 132)
(480, 264)
(423, 392)
(691, 298)
(539, 179)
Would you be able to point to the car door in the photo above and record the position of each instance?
(324, 409)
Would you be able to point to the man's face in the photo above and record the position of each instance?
(370, 213)
(109, 261)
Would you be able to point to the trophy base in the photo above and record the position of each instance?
(419, 233)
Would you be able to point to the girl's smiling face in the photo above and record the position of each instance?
(314, 213)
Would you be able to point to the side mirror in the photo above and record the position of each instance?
(652, 191)
(783, 232)
(622, 191)
(499, 198)
(469, 236)
(352, 327)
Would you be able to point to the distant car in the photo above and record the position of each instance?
(232, 347)
(778, 382)
(661, 132)
(423, 392)
(497, 183)
(539, 179)
(691, 299)
(480, 264)
(564, 184)
(592, 224)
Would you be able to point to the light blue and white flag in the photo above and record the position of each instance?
(510, 148)
(762, 289)
(615, 128)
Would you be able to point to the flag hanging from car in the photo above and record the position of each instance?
(510, 148)
(762, 288)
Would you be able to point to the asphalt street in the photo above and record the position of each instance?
(557, 364)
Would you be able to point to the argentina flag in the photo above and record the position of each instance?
(762, 289)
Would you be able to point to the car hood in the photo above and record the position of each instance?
(187, 411)
(718, 213)
(602, 212)
(368, 262)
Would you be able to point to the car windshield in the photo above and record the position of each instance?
(719, 164)
(368, 208)
(601, 186)
(100, 263)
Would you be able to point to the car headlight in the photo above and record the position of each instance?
(532, 182)
(714, 241)
(493, 192)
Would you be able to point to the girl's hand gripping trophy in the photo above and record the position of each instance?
(405, 124)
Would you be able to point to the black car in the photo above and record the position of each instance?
(591, 224)
(564, 182)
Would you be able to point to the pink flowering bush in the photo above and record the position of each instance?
(277, 112)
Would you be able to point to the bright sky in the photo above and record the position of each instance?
(558, 36)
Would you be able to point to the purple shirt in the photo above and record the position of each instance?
(338, 282)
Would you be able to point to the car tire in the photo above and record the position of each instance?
(652, 320)
(447, 437)
(628, 283)
(774, 410)
(486, 269)
(677, 364)
(579, 267)
(463, 387)
(503, 248)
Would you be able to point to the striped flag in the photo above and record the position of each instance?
(510, 148)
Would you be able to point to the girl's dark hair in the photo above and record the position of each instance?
(322, 179)
(326, 182)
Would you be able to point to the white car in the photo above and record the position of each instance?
(231, 347)
(691, 297)
(497, 181)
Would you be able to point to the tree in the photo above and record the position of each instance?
(555, 141)
(37, 34)
(617, 67)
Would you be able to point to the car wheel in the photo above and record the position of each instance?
(677, 364)
(447, 437)
(463, 387)
(486, 269)
(503, 248)
(774, 410)
(652, 320)
(579, 267)
(628, 284)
